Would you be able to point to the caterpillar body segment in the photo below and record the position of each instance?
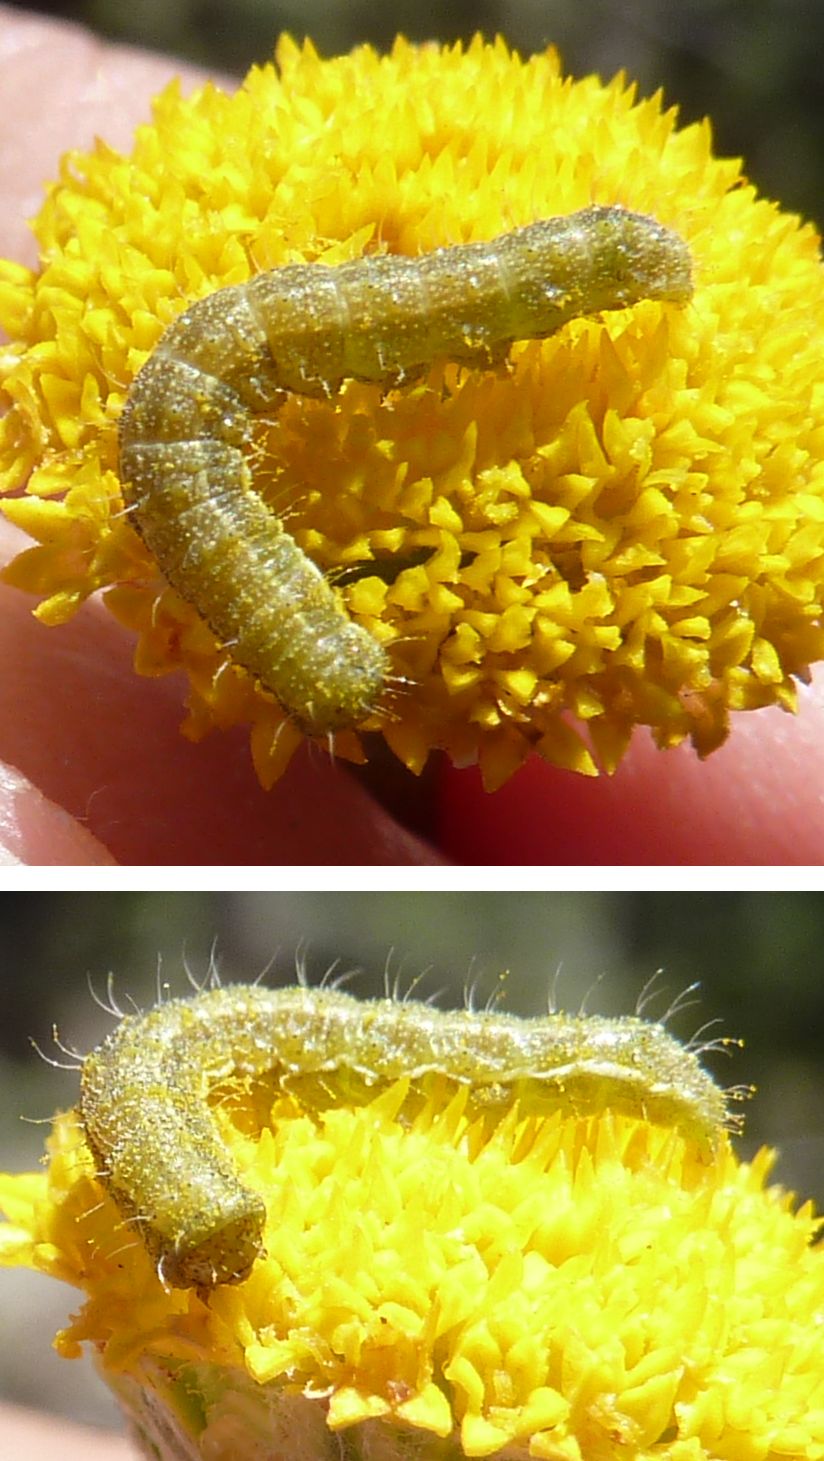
(187, 424)
(144, 1094)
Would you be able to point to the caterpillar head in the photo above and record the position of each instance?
(635, 257)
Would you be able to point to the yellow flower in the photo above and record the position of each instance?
(443, 1283)
(625, 527)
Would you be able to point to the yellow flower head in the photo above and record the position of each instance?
(445, 1276)
(622, 525)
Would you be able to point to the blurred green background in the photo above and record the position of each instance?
(754, 66)
(758, 957)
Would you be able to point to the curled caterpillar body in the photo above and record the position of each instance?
(144, 1092)
(187, 424)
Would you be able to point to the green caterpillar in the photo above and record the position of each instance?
(187, 422)
(147, 1122)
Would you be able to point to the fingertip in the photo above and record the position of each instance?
(35, 831)
(756, 801)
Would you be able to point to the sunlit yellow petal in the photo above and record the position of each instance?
(625, 526)
(454, 1285)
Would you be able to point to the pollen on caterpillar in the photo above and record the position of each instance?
(148, 1123)
(186, 428)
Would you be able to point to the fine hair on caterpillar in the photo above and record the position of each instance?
(146, 1116)
(187, 426)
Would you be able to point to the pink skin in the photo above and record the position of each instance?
(98, 770)
(759, 800)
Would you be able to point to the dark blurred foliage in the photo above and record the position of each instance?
(757, 957)
(753, 66)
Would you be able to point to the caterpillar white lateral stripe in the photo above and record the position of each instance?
(144, 1093)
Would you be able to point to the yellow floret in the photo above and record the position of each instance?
(450, 1285)
(624, 527)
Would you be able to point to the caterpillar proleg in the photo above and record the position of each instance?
(144, 1091)
(187, 424)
